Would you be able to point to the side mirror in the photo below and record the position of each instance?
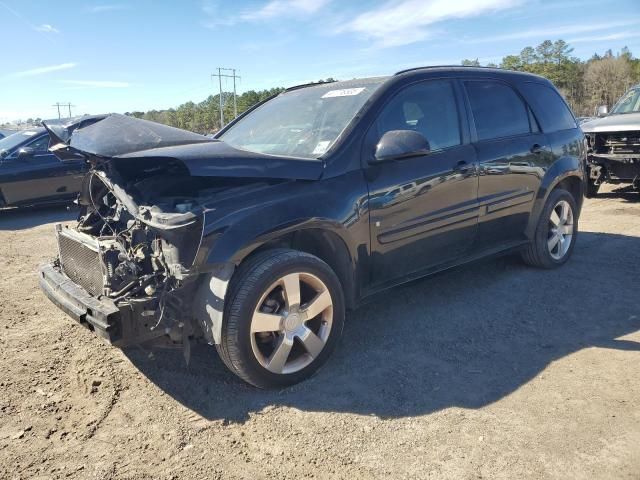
(26, 152)
(602, 111)
(397, 144)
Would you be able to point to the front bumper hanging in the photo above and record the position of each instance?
(120, 325)
(100, 316)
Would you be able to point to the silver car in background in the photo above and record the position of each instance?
(614, 143)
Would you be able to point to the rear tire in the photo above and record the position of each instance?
(283, 317)
(556, 232)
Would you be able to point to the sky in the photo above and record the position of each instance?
(120, 56)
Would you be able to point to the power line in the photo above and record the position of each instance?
(68, 105)
(220, 75)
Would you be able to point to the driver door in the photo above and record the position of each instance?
(423, 209)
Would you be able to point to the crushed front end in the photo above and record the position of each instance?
(124, 269)
(138, 263)
(614, 157)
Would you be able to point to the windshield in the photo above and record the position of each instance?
(302, 123)
(12, 141)
(629, 103)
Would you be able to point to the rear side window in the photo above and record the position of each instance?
(497, 110)
(549, 108)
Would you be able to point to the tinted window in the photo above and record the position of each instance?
(429, 108)
(41, 145)
(497, 110)
(12, 141)
(550, 109)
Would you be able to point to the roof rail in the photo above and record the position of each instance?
(445, 66)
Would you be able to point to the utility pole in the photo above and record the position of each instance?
(235, 103)
(58, 105)
(221, 102)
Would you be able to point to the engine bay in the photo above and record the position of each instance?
(131, 253)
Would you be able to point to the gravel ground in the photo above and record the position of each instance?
(494, 370)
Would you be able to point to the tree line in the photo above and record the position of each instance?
(600, 80)
(204, 117)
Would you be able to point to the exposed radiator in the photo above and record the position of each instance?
(80, 259)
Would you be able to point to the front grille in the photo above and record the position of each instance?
(80, 260)
(619, 143)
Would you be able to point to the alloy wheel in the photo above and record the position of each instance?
(291, 323)
(560, 230)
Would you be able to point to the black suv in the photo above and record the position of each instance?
(260, 239)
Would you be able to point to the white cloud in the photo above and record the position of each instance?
(46, 28)
(96, 83)
(557, 31)
(409, 21)
(43, 70)
(271, 10)
(285, 8)
(111, 7)
(604, 38)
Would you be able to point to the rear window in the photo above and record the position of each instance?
(548, 107)
(497, 110)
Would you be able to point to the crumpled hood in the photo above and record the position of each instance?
(127, 139)
(613, 123)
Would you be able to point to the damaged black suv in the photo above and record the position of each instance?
(258, 241)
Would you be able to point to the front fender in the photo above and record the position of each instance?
(233, 232)
(310, 216)
(240, 243)
(230, 250)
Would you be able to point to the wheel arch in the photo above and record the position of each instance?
(320, 241)
(566, 173)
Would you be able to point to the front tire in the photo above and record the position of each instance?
(283, 317)
(556, 232)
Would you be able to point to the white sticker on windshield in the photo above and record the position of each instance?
(345, 92)
(321, 147)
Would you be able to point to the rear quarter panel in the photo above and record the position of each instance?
(568, 160)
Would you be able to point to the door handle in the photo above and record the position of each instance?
(462, 166)
(536, 148)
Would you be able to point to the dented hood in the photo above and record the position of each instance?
(127, 139)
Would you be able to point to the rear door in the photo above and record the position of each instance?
(40, 177)
(423, 209)
(511, 153)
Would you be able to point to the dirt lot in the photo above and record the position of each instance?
(494, 370)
